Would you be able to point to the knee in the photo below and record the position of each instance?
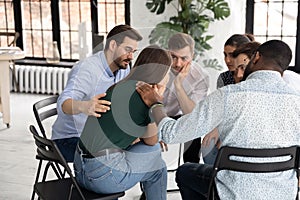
(182, 174)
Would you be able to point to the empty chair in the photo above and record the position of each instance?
(64, 187)
(226, 160)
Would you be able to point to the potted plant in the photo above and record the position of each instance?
(193, 17)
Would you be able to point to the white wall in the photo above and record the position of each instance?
(144, 21)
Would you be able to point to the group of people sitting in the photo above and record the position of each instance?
(114, 119)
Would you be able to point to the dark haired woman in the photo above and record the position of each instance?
(108, 158)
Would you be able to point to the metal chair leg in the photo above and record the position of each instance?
(174, 170)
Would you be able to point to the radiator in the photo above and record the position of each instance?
(40, 80)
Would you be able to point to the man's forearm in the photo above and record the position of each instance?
(72, 107)
(186, 104)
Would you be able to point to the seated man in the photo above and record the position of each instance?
(87, 82)
(188, 85)
(260, 112)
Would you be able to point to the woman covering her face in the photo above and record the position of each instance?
(120, 148)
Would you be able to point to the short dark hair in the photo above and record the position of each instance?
(248, 48)
(237, 40)
(276, 51)
(118, 33)
(181, 40)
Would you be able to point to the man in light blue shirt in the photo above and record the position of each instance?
(260, 112)
(87, 83)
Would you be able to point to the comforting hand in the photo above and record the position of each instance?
(95, 106)
(149, 93)
(213, 135)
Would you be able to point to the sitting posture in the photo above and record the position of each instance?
(260, 112)
(120, 148)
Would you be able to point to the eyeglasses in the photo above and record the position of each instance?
(129, 50)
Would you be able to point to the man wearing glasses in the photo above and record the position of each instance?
(87, 83)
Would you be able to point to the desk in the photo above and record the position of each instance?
(7, 54)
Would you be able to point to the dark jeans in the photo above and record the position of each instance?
(191, 151)
(67, 147)
(211, 156)
(193, 180)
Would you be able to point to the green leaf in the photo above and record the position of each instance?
(193, 17)
(212, 63)
(220, 9)
(162, 32)
(157, 6)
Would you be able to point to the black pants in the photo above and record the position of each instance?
(67, 147)
(191, 151)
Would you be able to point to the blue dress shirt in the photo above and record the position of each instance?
(89, 77)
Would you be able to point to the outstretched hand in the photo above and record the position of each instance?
(149, 93)
(96, 105)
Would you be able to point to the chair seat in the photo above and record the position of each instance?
(59, 190)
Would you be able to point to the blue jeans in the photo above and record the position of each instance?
(193, 180)
(120, 171)
(67, 147)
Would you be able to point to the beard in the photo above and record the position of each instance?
(248, 70)
(122, 63)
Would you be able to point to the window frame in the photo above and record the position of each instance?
(56, 32)
(250, 29)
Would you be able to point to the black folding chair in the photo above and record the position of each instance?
(44, 110)
(224, 161)
(61, 188)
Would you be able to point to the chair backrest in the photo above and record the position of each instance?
(43, 110)
(67, 186)
(48, 150)
(225, 161)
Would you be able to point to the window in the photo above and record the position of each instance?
(43, 21)
(274, 19)
(7, 22)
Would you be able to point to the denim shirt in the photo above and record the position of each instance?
(261, 112)
(87, 78)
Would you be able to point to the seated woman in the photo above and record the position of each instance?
(120, 148)
(241, 57)
(231, 44)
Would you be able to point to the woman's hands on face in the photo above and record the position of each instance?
(149, 93)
